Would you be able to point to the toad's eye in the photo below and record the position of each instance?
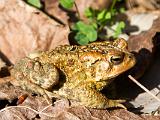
(117, 59)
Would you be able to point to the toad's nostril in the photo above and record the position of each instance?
(131, 56)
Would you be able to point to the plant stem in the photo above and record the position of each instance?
(113, 4)
(77, 10)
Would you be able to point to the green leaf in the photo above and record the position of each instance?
(101, 15)
(35, 3)
(120, 27)
(108, 16)
(80, 26)
(94, 24)
(122, 10)
(88, 12)
(85, 33)
(113, 12)
(92, 34)
(68, 4)
(81, 39)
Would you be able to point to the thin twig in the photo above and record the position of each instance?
(144, 88)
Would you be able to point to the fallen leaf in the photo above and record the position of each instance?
(61, 109)
(144, 47)
(24, 29)
(126, 115)
(143, 5)
(53, 8)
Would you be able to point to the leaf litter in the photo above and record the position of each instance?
(31, 31)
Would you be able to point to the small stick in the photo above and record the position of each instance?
(144, 88)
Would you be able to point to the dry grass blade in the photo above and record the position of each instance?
(45, 108)
(26, 107)
(144, 88)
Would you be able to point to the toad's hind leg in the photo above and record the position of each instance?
(29, 86)
(94, 99)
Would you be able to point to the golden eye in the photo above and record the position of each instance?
(117, 59)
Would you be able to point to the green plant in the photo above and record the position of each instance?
(35, 3)
(119, 28)
(84, 33)
(68, 4)
(106, 18)
(97, 20)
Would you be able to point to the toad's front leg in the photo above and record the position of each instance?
(93, 98)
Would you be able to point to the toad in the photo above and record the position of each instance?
(74, 72)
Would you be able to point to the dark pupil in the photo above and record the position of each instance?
(116, 60)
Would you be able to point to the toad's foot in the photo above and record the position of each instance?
(92, 98)
(116, 103)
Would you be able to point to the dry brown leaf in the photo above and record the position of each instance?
(61, 109)
(34, 30)
(24, 29)
(144, 39)
(143, 5)
(143, 44)
(126, 115)
(149, 117)
(53, 8)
